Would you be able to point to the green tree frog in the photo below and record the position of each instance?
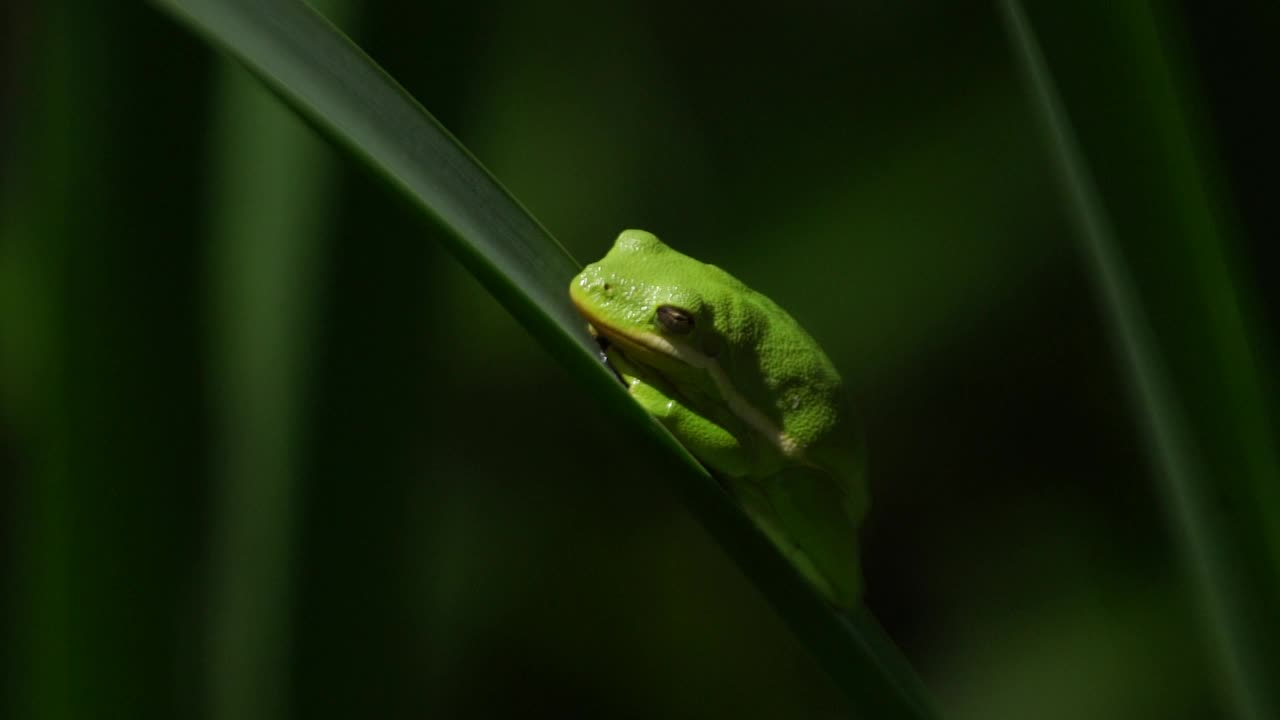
(745, 389)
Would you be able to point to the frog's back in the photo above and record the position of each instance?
(783, 371)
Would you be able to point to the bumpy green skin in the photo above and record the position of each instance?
(747, 390)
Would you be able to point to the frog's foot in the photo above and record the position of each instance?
(714, 446)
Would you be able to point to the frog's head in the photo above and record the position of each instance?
(655, 303)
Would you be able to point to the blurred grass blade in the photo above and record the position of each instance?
(326, 78)
(1227, 551)
(270, 200)
(100, 345)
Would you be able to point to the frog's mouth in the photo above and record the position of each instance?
(649, 351)
(604, 343)
(638, 357)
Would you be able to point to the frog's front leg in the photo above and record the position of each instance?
(709, 442)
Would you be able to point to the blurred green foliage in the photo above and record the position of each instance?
(452, 529)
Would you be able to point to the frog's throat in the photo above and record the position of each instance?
(738, 405)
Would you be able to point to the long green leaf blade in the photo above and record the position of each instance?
(271, 202)
(327, 78)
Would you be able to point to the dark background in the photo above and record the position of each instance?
(353, 486)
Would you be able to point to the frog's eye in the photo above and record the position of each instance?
(674, 320)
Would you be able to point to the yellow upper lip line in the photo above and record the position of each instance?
(642, 341)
